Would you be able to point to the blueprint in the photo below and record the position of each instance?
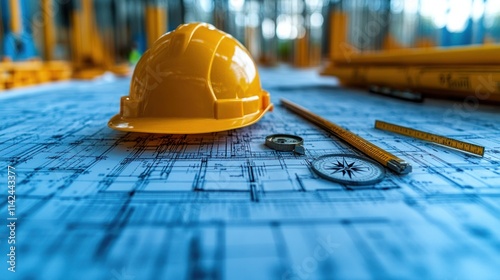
(94, 203)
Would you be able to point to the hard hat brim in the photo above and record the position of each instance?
(183, 126)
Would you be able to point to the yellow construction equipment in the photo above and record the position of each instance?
(195, 79)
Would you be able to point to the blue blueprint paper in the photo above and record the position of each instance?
(94, 203)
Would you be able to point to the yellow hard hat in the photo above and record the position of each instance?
(195, 79)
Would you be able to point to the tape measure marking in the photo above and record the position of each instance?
(434, 138)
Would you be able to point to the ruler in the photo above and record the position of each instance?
(434, 138)
(385, 158)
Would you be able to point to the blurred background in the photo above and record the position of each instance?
(46, 40)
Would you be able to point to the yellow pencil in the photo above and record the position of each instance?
(385, 158)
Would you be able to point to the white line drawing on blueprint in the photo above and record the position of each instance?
(92, 200)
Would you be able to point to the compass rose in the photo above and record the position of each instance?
(351, 169)
(348, 169)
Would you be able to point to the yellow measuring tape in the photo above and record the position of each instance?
(434, 138)
(383, 157)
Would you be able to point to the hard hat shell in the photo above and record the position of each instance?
(195, 79)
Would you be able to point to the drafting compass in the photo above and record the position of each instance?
(348, 169)
(286, 143)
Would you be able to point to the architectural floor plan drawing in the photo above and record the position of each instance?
(94, 203)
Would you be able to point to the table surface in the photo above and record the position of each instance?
(94, 203)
